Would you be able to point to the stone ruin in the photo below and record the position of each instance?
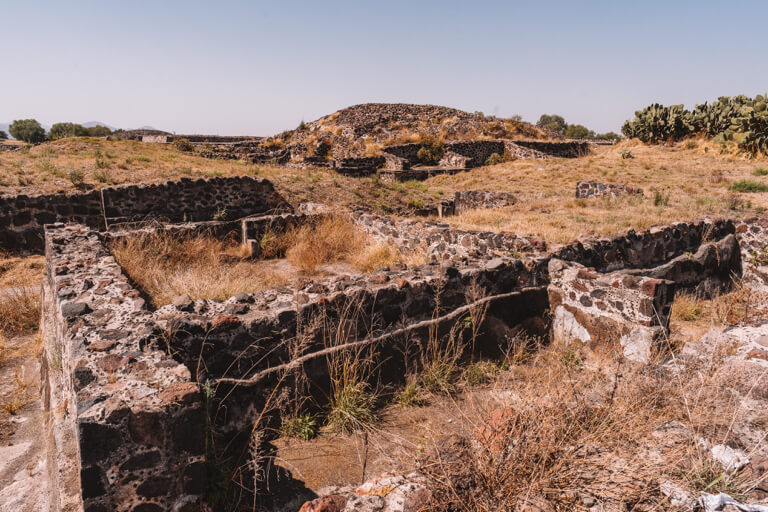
(126, 388)
(587, 189)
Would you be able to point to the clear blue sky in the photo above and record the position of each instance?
(237, 67)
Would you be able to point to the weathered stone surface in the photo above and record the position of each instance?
(104, 399)
(23, 217)
(586, 189)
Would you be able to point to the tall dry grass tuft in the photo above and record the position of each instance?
(351, 400)
(20, 280)
(335, 238)
(329, 240)
(167, 265)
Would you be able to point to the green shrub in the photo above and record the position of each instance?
(626, 154)
(3, 135)
(28, 130)
(760, 171)
(748, 186)
(98, 131)
(740, 118)
(577, 131)
(658, 123)
(431, 150)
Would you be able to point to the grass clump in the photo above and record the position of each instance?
(300, 427)
(329, 240)
(431, 150)
(77, 178)
(687, 307)
(660, 198)
(480, 373)
(760, 171)
(335, 238)
(550, 445)
(748, 186)
(352, 407)
(410, 395)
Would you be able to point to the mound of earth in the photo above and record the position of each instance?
(363, 130)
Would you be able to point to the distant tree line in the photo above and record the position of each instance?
(557, 124)
(31, 131)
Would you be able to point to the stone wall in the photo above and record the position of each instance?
(474, 153)
(630, 308)
(753, 239)
(126, 421)
(473, 199)
(586, 189)
(570, 149)
(363, 166)
(608, 310)
(644, 249)
(127, 418)
(441, 242)
(22, 217)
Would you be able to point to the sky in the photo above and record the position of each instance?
(256, 68)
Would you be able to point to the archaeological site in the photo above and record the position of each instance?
(394, 308)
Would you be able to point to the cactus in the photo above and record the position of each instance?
(739, 118)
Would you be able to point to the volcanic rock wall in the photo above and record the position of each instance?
(585, 189)
(22, 217)
(441, 242)
(126, 421)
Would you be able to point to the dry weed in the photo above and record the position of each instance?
(569, 432)
(20, 280)
(166, 266)
(335, 238)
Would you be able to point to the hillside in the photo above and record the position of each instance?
(362, 130)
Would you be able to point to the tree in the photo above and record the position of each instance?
(608, 136)
(28, 130)
(3, 135)
(552, 122)
(577, 131)
(98, 131)
(61, 130)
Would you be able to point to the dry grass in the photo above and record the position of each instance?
(46, 169)
(166, 266)
(548, 209)
(20, 280)
(569, 432)
(686, 307)
(336, 238)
